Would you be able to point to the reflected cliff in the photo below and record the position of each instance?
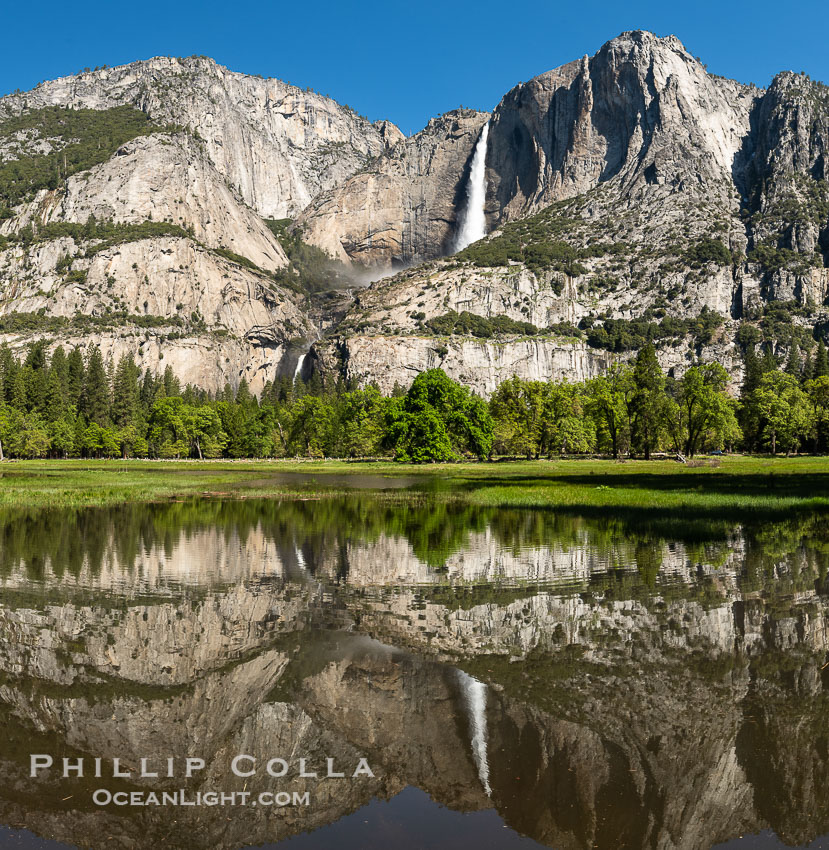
(595, 682)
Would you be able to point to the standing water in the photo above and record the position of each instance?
(471, 221)
(474, 695)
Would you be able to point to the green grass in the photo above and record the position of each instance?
(737, 486)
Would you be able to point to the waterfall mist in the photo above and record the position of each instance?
(474, 695)
(472, 221)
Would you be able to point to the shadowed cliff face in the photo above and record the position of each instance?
(598, 684)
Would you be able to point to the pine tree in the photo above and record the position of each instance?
(751, 381)
(16, 388)
(59, 365)
(110, 370)
(35, 376)
(95, 398)
(6, 364)
(648, 401)
(55, 397)
(125, 393)
(793, 363)
(243, 395)
(821, 361)
(769, 362)
(172, 385)
(149, 390)
(75, 376)
(808, 371)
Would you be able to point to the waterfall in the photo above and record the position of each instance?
(298, 370)
(474, 696)
(471, 220)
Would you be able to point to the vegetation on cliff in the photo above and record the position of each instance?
(609, 334)
(311, 270)
(73, 140)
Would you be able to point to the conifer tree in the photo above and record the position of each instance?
(172, 385)
(648, 402)
(808, 370)
(95, 400)
(769, 361)
(793, 363)
(821, 361)
(75, 376)
(125, 393)
(34, 377)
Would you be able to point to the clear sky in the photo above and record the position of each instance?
(405, 61)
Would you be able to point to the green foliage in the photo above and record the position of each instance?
(707, 414)
(421, 437)
(236, 258)
(707, 251)
(609, 399)
(784, 408)
(438, 419)
(534, 418)
(22, 323)
(535, 242)
(80, 139)
(648, 404)
(632, 334)
(79, 404)
(772, 258)
(469, 324)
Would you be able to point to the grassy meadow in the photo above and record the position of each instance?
(717, 487)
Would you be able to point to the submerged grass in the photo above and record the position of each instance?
(736, 486)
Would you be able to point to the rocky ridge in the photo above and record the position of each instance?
(629, 183)
(276, 144)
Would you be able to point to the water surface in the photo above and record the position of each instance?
(511, 678)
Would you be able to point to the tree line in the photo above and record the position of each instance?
(78, 404)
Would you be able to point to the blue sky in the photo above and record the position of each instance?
(405, 62)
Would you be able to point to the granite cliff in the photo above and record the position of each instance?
(630, 184)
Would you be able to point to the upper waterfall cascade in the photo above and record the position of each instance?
(472, 221)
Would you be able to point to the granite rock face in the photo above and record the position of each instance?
(209, 282)
(273, 142)
(670, 190)
(641, 112)
(479, 364)
(402, 206)
(160, 178)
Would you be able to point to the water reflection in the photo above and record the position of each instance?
(598, 683)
